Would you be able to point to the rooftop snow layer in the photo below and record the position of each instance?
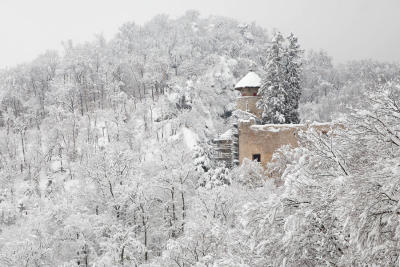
(250, 80)
(244, 115)
(284, 127)
(226, 136)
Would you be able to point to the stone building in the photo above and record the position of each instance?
(248, 87)
(248, 137)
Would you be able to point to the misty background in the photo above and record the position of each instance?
(347, 30)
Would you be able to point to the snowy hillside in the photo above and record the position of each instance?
(105, 155)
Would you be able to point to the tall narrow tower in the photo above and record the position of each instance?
(248, 87)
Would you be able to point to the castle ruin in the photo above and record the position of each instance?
(248, 137)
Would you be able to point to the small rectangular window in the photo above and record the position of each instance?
(257, 157)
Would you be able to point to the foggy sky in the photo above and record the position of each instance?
(346, 29)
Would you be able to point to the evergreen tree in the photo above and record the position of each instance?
(280, 91)
(272, 93)
(292, 78)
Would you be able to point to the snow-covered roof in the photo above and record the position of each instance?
(226, 136)
(250, 80)
(245, 116)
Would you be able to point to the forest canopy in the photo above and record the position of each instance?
(105, 155)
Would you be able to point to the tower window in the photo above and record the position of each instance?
(257, 157)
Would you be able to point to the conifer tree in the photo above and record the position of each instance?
(292, 79)
(280, 90)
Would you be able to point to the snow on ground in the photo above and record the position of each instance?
(190, 138)
(72, 186)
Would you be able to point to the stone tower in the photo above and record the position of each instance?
(248, 138)
(248, 87)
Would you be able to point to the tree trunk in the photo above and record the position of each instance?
(122, 255)
(22, 133)
(183, 211)
(173, 234)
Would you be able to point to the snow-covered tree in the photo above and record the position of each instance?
(292, 73)
(105, 154)
(281, 87)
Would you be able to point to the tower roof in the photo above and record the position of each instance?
(251, 80)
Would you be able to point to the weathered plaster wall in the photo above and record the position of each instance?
(267, 139)
(249, 102)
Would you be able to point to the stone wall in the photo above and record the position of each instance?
(248, 103)
(267, 139)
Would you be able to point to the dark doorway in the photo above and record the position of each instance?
(257, 157)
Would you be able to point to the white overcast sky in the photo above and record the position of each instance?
(346, 29)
